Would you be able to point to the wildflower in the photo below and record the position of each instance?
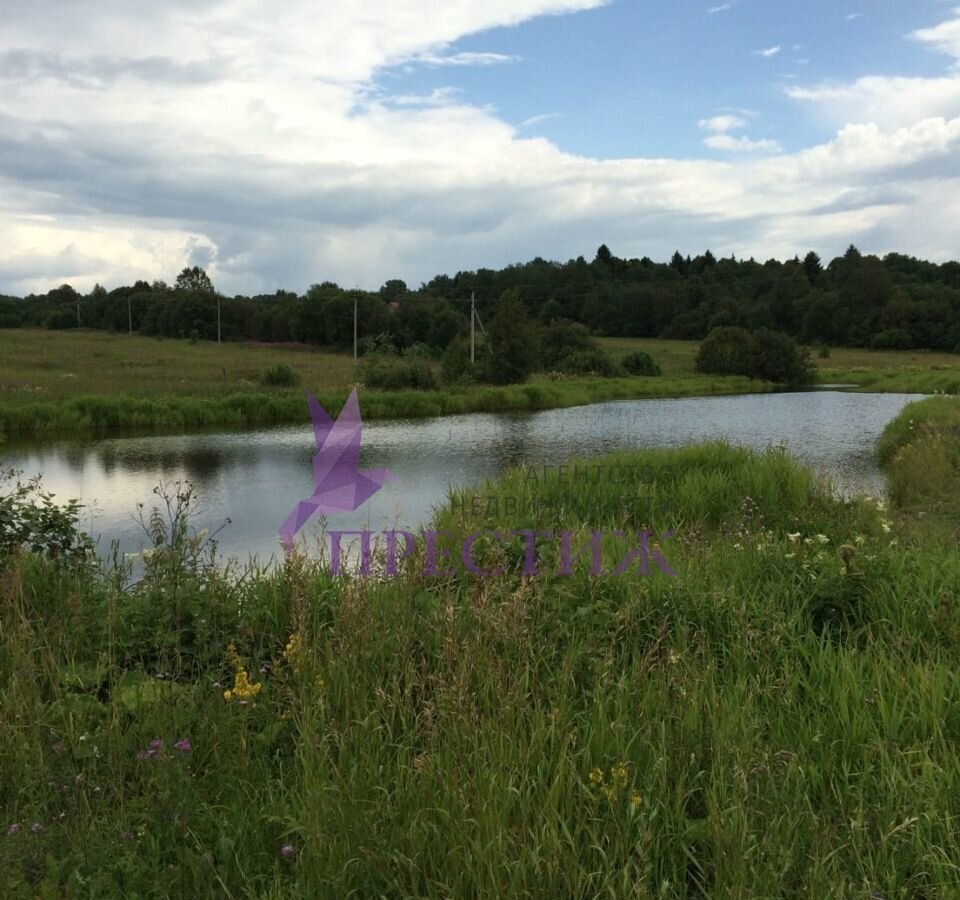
(127, 835)
(294, 652)
(14, 828)
(794, 537)
(808, 540)
(618, 774)
(58, 748)
(183, 745)
(156, 744)
(823, 539)
(287, 851)
(636, 800)
(243, 688)
(886, 527)
(36, 828)
(596, 776)
(789, 555)
(859, 540)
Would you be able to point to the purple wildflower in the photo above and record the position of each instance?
(36, 828)
(58, 748)
(183, 745)
(14, 828)
(287, 851)
(127, 835)
(156, 744)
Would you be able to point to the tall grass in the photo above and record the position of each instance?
(777, 720)
(108, 412)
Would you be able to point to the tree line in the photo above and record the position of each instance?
(856, 300)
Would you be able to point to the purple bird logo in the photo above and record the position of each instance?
(339, 484)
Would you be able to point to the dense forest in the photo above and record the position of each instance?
(897, 302)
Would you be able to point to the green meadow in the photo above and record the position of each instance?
(779, 719)
(92, 382)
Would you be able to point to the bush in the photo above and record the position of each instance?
(560, 340)
(892, 339)
(592, 361)
(770, 355)
(455, 367)
(824, 352)
(781, 359)
(29, 518)
(377, 343)
(640, 363)
(280, 375)
(566, 347)
(727, 351)
(397, 372)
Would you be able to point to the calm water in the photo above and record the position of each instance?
(255, 478)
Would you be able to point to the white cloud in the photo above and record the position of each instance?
(890, 102)
(264, 142)
(740, 144)
(854, 15)
(719, 124)
(465, 59)
(719, 8)
(536, 120)
(944, 37)
(767, 52)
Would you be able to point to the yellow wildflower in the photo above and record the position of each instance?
(636, 801)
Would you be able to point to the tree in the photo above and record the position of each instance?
(603, 254)
(512, 341)
(194, 280)
(812, 267)
(394, 287)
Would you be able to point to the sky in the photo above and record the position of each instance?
(283, 145)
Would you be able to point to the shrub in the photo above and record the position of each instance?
(397, 372)
(824, 352)
(280, 375)
(770, 355)
(892, 339)
(29, 518)
(455, 364)
(560, 340)
(377, 343)
(727, 351)
(640, 363)
(781, 359)
(592, 361)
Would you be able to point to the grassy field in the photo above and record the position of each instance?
(53, 381)
(905, 371)
(90, 381)
(779, 719)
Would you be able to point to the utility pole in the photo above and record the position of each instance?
(78, 314)
(218, 318)
(355, 298)
(473, 330)
(129, 315)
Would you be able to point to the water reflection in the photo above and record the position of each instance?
(255, 478)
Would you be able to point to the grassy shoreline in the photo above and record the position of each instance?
(779, 718)
(67, 383)
(100, 414)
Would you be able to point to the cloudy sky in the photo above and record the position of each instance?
(282, 145)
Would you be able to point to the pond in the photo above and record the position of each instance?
(255, 478)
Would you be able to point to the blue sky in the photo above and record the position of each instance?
(634, 79)
(283, 146)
